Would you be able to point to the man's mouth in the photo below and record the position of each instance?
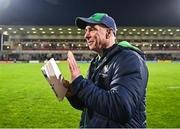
(90, 42)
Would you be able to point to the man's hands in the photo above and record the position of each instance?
(61, 81)
(68, 86)
(74, 69)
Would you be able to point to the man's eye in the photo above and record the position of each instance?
(92, 29)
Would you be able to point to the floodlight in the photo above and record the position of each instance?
(5, 33)
(133, 29)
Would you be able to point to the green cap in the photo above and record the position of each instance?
(97, 18)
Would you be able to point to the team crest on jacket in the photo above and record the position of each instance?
(105, 69)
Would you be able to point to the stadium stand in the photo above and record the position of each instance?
(25, 43)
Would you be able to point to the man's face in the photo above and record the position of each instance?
(96, 37)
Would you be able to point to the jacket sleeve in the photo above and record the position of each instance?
(127, 89)
(76, 102)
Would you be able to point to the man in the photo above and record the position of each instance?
(113, 95)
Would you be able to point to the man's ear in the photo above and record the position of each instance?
(108, 33)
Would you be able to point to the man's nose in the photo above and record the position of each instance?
(86, 35)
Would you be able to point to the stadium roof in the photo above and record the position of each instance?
(169, 32)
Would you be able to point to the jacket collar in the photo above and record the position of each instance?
(108, 54)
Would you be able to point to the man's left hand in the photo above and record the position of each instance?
(73, 66)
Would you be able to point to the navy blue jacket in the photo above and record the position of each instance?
(113, 95)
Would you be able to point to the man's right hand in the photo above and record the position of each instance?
(67, 85)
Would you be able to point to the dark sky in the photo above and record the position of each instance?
(63, 12)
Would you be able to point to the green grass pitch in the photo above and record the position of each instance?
(26, 99)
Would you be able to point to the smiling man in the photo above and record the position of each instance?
(113, 94)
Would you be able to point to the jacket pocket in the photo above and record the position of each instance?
(98, 121)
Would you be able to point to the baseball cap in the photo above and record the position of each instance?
(97, 18)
